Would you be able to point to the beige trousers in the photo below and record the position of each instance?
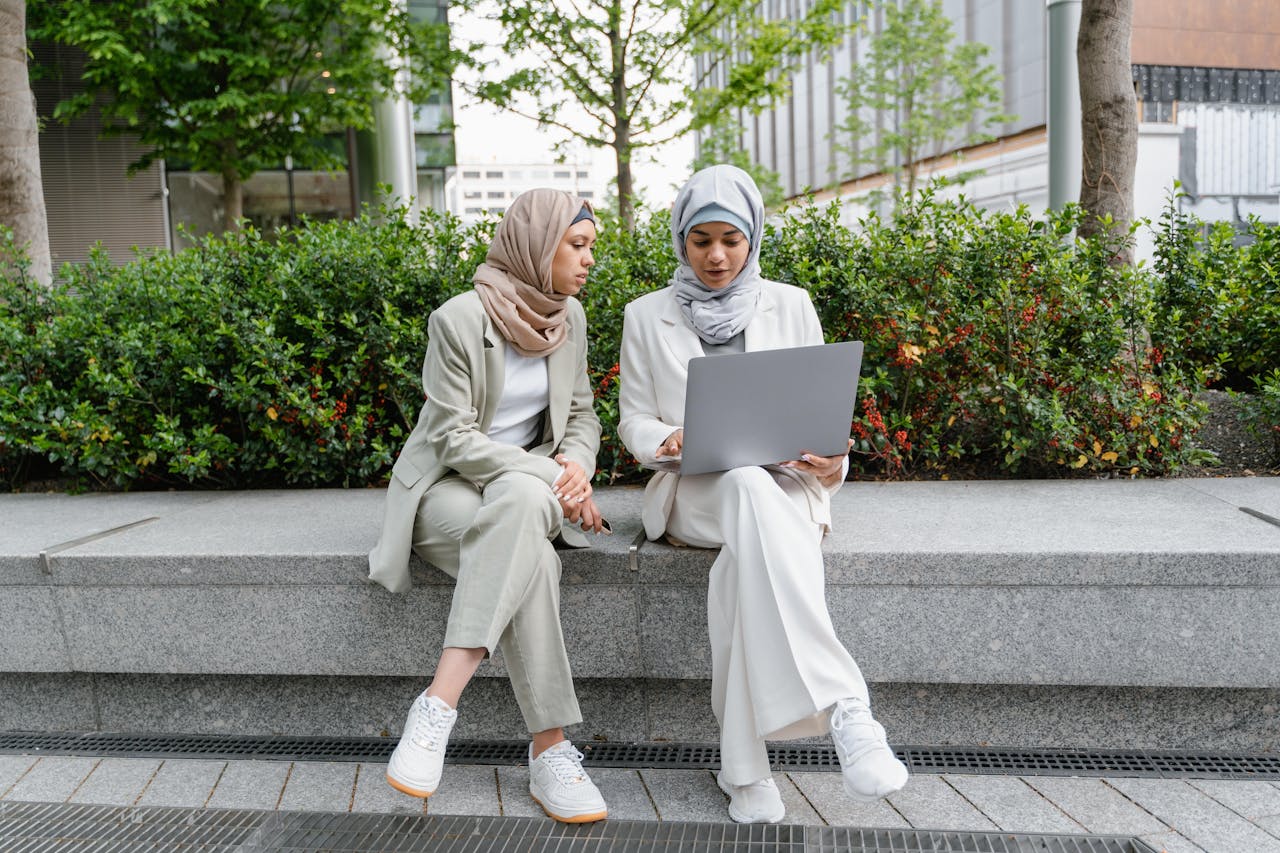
(497, 543)
(777, 666)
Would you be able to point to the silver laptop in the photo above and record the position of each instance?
(769, 406)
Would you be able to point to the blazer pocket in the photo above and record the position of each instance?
(406, 472)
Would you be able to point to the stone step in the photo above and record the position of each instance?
(948, 593)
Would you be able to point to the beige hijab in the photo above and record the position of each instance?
(514, 282)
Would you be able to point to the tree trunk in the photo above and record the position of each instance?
(626, 207)
(1109, 118)
(621, 116)
(21, 192)
(232, 200)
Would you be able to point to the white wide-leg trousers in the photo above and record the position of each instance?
(777, 665)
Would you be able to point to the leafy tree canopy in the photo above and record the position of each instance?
(929, 94)
(619, 74)
(235, 86)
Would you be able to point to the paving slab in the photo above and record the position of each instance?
(625, 793)
(312, 630)
(319, 786)
(1036, 634)
(686, 795)
(799, 809)
(1163, 529)
(1247, 798)
(37, 522)
(513, 793)
(269, 536)
(1013, 805)
(825, 792)
(1197, 816)
(373, 794)
(183, 782)
(1170, 842)
(1260, 493)
(117, 781)
(250, 785)
(13, 768)
(1096, 806)
(34, 639)
(471, 789)
(52, 780)
(928, 802)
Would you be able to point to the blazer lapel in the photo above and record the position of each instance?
(560, 376)
(762, 331)
(495, 366)
(676, 334)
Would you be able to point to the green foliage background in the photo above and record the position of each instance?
(995, 346)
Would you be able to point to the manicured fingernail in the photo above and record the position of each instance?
(805, 457)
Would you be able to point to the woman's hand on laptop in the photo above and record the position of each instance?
(672, 446)
(826, 468)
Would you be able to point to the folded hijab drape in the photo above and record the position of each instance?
(718, 314)
(514, 282)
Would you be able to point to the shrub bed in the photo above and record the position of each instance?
(995, 346)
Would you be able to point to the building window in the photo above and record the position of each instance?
(1159, 111)
(586, 194)
(497, 211)
(583, 174)
(496, 194)
(471, 175)
(494, 174)
(563, 174)
(472, 194)
(473, 211)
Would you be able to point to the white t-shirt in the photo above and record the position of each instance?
(526, 393)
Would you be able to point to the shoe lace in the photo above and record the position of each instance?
(566, 764)
(845, 725)
(430, 727)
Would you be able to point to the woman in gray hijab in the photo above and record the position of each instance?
(778, 669)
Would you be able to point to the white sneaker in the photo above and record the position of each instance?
(418, 761)
(870, 768)
(558, 783)
(757, 802)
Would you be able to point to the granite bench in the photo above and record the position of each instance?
(1049, 613)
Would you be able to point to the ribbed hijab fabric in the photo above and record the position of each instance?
(716, 315)
(514, 282)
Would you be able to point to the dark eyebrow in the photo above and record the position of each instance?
(698, 230)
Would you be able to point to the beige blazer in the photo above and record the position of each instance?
(657, 344)
(462, 377)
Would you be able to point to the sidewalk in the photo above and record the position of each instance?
(1178, 816)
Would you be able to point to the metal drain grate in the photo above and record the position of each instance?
(678, 756)
(29, 827)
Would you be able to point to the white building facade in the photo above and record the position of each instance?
(1207, 77)
(479, 190)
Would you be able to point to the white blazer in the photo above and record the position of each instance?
(657, 344)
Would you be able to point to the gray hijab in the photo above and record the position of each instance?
(718, 315)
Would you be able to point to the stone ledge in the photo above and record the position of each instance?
(1087, 583)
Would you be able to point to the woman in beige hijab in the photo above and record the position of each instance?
(498, 469)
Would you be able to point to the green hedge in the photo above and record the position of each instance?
(995, 345)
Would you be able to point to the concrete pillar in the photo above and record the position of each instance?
(1065, 145)
(395, 162)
